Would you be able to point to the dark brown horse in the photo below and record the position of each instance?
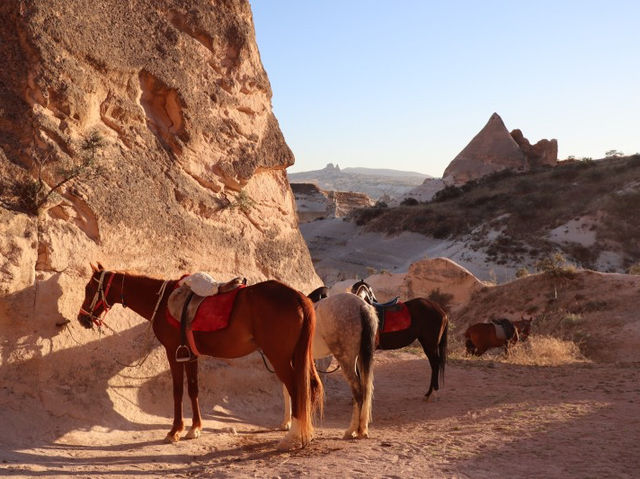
(269, 316)
(429, 325)
(483, 336)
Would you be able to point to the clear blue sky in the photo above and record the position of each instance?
(406, 84)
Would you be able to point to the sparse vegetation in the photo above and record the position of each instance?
(409, 202)
(556, 265)
(30, 192)
(525, 207)
(243, 202)
(634, 269)
(545, 351)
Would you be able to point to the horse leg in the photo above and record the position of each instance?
(470, 347)
(434, 362)
(284, 371)
(348, 366)
(286, 421)
(177, 375)
(192, 387)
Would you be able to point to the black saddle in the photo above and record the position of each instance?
(382, 308)
(507, 326)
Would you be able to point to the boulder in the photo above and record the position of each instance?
(441, 276)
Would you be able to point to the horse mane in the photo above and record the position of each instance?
(138, 274)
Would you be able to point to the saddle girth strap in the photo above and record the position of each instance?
(187, 341)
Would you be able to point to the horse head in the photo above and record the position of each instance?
(524, 328)
(365, 291)
(318, 294)
(95, 293)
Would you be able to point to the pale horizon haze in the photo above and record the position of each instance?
(407, 84)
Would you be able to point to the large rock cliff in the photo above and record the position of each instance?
(191, 170)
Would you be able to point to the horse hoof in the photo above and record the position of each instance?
(171, 438)
(363, 435)
(285, 426)
(349, 435)
(193, 433)
(286, 445)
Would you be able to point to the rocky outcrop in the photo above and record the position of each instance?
(441, 277)
(436, 278)
(494, 149)
(313, 203)
(192, 166)
(424, 192)
(543, 153)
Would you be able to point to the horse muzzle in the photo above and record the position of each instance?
(86, 320)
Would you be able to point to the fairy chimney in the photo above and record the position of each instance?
(492, 149)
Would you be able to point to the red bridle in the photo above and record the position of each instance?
(99, 299)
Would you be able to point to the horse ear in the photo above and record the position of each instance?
(93, 268)
(100, 267)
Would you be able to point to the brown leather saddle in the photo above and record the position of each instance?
(183, 303)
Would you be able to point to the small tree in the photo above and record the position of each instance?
(32, 194)
(556, 264)
(613, 153)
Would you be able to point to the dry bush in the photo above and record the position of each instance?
(545, 351)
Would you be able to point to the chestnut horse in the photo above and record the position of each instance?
(429, 325)
(269, 316)
(483, 336)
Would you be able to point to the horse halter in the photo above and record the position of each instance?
(99, 299)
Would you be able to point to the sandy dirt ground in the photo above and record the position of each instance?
(491, 419)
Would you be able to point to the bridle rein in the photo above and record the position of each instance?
(100, 299)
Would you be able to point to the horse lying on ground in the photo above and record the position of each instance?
(269, 316)
(428, 324)
(346, 328)
(483, 336)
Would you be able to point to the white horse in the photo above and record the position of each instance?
(346, 328)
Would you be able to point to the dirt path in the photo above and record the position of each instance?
(492, 419)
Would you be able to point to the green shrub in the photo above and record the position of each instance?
(409, 202)
(556, 265)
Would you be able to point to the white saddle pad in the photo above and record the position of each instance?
(201, 284)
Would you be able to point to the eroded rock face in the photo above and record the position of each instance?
(313, 203)
(494, 149)
(194, 160)
(543, 153)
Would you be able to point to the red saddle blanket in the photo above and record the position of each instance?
(213, 313)
(396, 320)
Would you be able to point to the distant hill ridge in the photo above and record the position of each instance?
(375, 182)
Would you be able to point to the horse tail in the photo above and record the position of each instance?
(369, 320)
(309, 392)
(442, 347)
